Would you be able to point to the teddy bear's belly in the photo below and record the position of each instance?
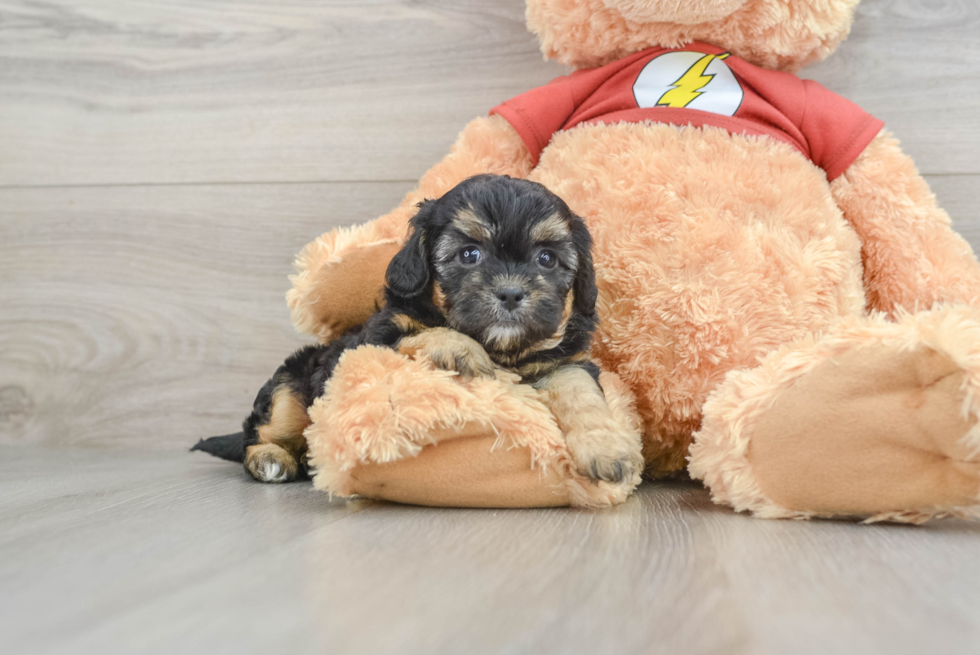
(710, 250)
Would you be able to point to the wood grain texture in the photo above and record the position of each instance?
(959, 195)
(912, 63)
(116, 552)
(124, 91)
(152, 315)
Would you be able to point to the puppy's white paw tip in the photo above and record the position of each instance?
(272, 472)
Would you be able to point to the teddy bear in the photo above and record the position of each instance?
(785, 312)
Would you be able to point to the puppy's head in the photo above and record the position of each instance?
(504, 260)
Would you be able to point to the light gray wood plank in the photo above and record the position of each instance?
(123, 91)
(959, 195)
(109, 91)
(118, 551)
(912, 63)
(152, 315)
(840, 587)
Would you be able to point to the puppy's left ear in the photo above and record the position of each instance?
(408, 272)
(584, 284)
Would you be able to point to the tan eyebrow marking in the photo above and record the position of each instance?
(447, 246)
(552, 228)
(471, 225)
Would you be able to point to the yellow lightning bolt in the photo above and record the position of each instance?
(688, 86)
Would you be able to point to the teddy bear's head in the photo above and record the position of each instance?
(778, 34)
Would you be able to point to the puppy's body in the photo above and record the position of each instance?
(496, 273)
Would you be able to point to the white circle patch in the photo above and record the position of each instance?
(688, 79)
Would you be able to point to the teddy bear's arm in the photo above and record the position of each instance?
(340, 274)
(912, 257)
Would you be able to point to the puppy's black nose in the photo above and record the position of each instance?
(510, 297)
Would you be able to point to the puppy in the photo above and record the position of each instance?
(496, 273)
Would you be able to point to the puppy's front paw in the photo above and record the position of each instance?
(611, 470)
(469, 363)
(600, 454)
(450, 351)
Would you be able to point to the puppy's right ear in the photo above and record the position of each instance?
(584, 285)
(408, 272)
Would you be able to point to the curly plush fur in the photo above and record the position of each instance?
(721, 224)
(778, 34)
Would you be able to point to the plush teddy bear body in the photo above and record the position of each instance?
(772, 321)
(739, 248)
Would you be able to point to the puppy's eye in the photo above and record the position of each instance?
(470, 255)
(547, 259)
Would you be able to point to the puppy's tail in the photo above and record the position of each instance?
(227, 446)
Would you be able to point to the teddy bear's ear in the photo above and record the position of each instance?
(408, 273)
(584, 284)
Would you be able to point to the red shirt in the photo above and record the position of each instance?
(697, 85)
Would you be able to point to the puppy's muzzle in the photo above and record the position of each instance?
(511, 298)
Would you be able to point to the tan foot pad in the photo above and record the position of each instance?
(869, 431)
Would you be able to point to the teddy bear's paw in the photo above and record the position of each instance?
(883, 431)
(450, 351)
(877, 420)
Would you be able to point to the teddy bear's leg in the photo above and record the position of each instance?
(340, 275)
(877, 420)
(912, 257)
(392, 428)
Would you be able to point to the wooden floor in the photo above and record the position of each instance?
(124, 552)
(161, 163)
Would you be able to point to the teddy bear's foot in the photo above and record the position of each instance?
(876, 420)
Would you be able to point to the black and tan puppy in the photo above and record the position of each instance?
(496, 273)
